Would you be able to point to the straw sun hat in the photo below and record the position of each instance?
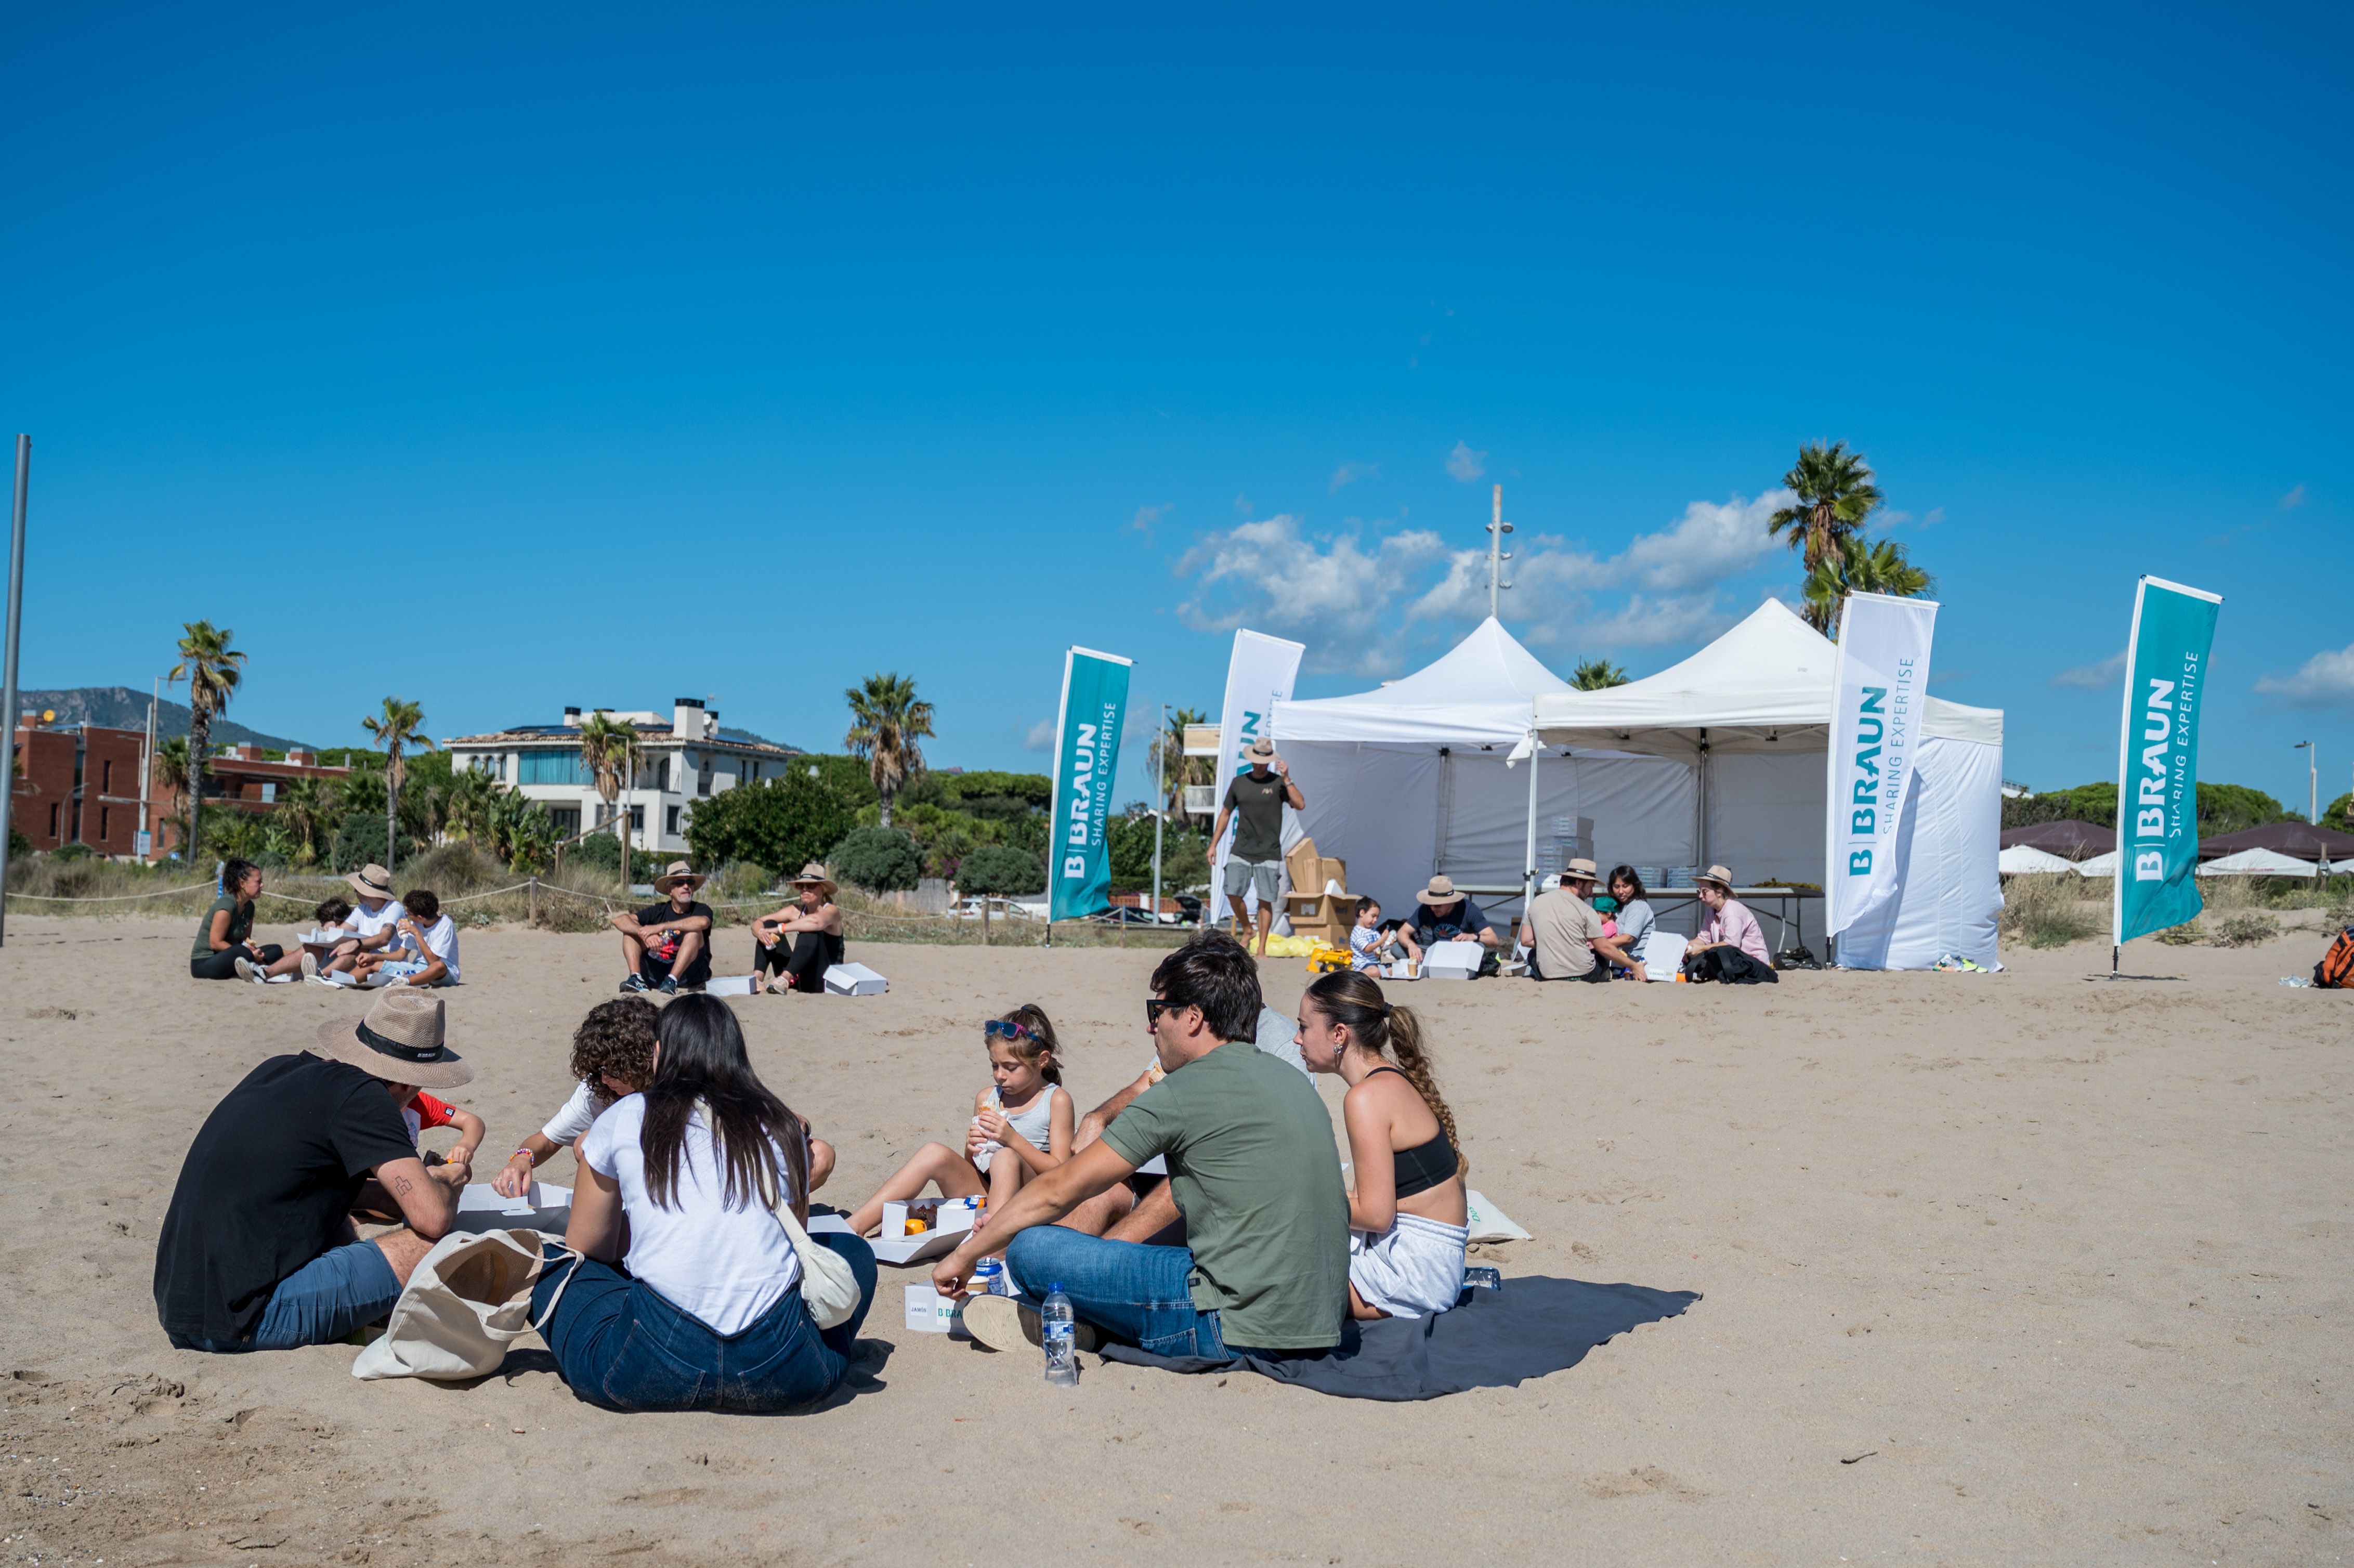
(400, 1040)
(1580, 868)
(371, 881)
(1440, 892)
(1718, 875)
(679, 872)
(815, 875)
(1260, 750)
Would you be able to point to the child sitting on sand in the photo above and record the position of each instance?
(423, 950)
(424, 1111)
(1373, 941)
(613, 1057)
(1021, 1125)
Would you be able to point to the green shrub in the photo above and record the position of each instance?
(71, 852)
(597, 852)
(881, 860)
(2246, 930)
(780, 823)
(359, 842)
(1184, 855)
(1003, 870)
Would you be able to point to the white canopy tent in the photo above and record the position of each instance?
(2021, 859)
(1413, 778)
(2258, 863)
(1748, 717)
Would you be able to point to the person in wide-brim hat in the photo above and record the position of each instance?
(372, 882)
(256, 1250)
(667, 945)
(401, 1041)
(1729, 923)
(795, 946)
(1445, 912)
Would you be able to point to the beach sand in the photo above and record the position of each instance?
(2061, 1268)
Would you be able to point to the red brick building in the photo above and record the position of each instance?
(81, 785)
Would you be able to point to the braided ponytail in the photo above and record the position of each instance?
(1392, 1033)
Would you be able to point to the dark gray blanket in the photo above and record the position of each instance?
(1495, 1339)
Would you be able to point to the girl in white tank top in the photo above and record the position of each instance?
(1022, 1125)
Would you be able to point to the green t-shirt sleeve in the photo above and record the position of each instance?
(1149, 1124)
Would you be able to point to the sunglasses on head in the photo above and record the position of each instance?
(998, 1029)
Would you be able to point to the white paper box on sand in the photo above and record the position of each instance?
(729, 985)
(930, 1313)
(1662, 955)
(1487, 1223)
(1452, 960)
(946, 1221)
(855, 980)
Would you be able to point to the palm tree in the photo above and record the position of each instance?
(1595, 674)
(609, 751)
(212, 669)
(1835, 494)
(305, 807)
(1860, 565)
(885, 719)
(1169, 759)
(466, 810)
(401, 723)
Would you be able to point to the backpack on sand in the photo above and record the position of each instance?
(2335, 970)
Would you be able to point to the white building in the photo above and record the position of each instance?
(680, 759)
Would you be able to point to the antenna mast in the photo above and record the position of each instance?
(1497, 554)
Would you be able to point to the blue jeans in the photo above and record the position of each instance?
(621, 1345)
(319, 1303)
(1137, 1294)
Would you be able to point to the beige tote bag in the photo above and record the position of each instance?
(828, 1290)
(466, 1302)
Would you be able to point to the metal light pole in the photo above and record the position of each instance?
(1159, 806)
(147, 769)
(8, 677)
(1497, 554)
(2312, 781)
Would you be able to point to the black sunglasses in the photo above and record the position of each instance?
(1154, 1006)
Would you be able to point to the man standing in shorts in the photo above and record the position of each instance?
(1255, 801)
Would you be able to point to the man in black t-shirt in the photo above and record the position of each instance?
(257, 1252)
(1256, 799)
(668, 945)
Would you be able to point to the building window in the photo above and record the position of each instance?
(637, 818)
(102, 810)
(53, 819)
(105, 785)
(551, 766)
(669, 819)
(566, 820)
(270, 792)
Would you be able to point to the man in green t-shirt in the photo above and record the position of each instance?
(1254, 1171)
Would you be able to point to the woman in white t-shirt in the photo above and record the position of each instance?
(613, 1056)
(683, 1178)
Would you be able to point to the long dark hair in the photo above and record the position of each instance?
(1394, 1034)
(704, 1062)
(1625, 873)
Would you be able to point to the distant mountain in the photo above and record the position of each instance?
(120, 707)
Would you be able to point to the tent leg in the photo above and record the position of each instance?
(1529, 882)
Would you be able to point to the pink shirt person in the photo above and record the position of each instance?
(1735, 924)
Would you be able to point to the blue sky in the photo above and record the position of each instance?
(510, 357)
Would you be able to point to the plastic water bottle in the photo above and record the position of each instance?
(1059, 1328)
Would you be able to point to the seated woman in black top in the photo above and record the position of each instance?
(812, 924)
(1407, 1229)
(223, 950)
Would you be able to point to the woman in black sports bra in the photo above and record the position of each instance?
(1406, 1215)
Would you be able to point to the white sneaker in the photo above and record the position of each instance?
(246, 971)
(310, 964)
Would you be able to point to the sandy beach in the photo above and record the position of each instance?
(1996, 1268)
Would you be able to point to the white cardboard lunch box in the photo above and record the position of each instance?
(1452, 960)
(946, 1221)
(855, 980)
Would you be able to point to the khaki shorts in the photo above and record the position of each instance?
(1264, 874)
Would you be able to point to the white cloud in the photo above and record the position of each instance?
(1041, 736)
(1146, 516)
(2326, 680)
(1707, 545)
(2100, 677)
(1335, 593)
(1360, 599)
(1348, 473)
(2293, 500)
(1466, 464)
